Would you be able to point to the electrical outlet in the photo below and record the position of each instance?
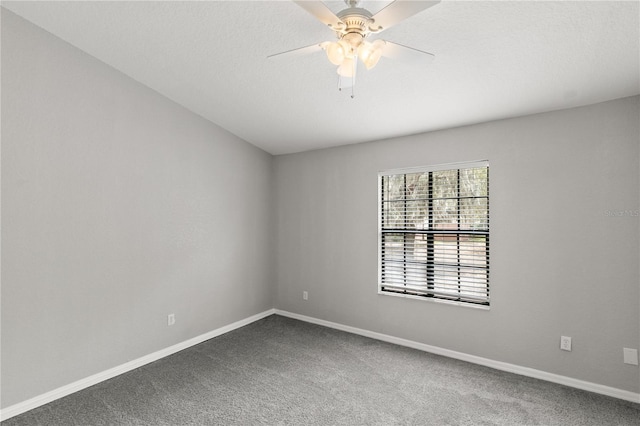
(171, 319)
(305, 295)
(565, 343)
(630, 356)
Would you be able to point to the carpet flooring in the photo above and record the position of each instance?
(280, 371)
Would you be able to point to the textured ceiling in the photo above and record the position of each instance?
(494, 59)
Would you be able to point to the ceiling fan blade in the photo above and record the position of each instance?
(321, 12)
(407, 54)
(398, 11)
(299, 51)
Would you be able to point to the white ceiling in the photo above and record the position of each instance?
(494, 59)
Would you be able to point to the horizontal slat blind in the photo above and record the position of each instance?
(434, 232)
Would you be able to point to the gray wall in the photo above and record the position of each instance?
(559, 264)
(118, 208)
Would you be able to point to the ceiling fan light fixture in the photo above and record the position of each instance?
(335, 53)
(338, 51)
(346, 47)
(364, 50)
(352, 26)
(352, 41)
(370, 53)
(346, 68)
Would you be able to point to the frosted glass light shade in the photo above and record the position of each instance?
(346, 68)
(335, 53)
(370, 53)
(364, 51)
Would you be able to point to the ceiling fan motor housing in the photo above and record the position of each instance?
(357, 25)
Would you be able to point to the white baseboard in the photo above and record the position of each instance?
(498, 365)
(63, 391)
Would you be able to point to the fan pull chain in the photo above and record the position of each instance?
(353, 78)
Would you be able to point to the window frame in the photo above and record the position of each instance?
(429, 169)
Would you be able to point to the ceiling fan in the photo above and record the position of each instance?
(352, 27)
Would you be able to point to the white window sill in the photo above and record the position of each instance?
(436, 300)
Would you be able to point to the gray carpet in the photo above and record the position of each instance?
(280, 371)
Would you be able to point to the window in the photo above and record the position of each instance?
(434, 232)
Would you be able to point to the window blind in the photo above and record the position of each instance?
(434, 232)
